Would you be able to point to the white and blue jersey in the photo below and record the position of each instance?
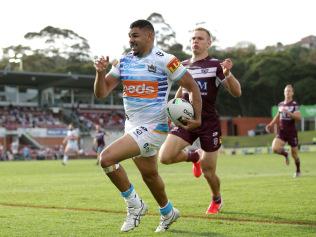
(146, 86)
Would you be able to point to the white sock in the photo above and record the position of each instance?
(133, 200)
(65, 159)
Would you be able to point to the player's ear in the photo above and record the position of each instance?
(150, 35)
(209, 42)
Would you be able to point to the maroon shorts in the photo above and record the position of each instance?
(209, 134)
(289, 137)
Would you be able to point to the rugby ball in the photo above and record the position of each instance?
(179, 109)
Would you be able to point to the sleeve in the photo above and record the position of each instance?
(174, 68)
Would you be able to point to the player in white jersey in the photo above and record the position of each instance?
(146, 74)
(71, 143)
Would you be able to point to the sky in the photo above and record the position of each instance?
(105, 24)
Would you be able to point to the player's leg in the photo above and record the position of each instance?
(66, 155)
(294, 152)
(210, 144)
(293, 142)
(99, 150)
(208, 165)
(123, 148)
(278, 148)
(148, 168)
(149, 142)
(172, 151)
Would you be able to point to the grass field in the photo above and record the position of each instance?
(44, 198)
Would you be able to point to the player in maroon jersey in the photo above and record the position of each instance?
(209, 74)
(99, 141)
(288, 113)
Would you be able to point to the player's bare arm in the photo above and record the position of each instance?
(103, 83)
(274, 121)
(231, 84)
(178, 93)
(189, 83)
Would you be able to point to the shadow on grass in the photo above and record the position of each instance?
(193, 233)
(255, 217)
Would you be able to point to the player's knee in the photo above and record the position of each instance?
(166, 158)
(209, 173)
(294, 154)
(275, 149)
(208, 170)
(105, 160)
(150, 177)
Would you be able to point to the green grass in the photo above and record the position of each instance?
(44, 198)
(264, 140)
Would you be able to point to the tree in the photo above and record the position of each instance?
(60, 42)
(165, 35)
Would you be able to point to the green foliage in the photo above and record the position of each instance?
(262, 74)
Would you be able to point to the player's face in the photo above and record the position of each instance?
(200, 42)
(139, 40)
(288, 93)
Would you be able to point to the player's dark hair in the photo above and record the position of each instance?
(143, 24)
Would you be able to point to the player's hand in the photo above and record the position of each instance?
(227, 65)
(269, 128)
(101, 63)
(190, 124)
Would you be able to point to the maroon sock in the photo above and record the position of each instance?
(217, 199)
(298, 165)
(193, 156)
(284, 153)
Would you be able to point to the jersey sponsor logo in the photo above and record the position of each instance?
(173, 65)
(202, 85)
(140, 89)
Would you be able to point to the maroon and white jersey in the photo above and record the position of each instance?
(208, 74)
(286, 122)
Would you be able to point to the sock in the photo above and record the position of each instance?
(217, 199)
(166, 210)
(298, 165)
(131, 197)
(65, 159)
(193, 156)
(284, 153)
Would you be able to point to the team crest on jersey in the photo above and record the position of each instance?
(152, 68)
(173, 65)
(159, 53)
(204, 70)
